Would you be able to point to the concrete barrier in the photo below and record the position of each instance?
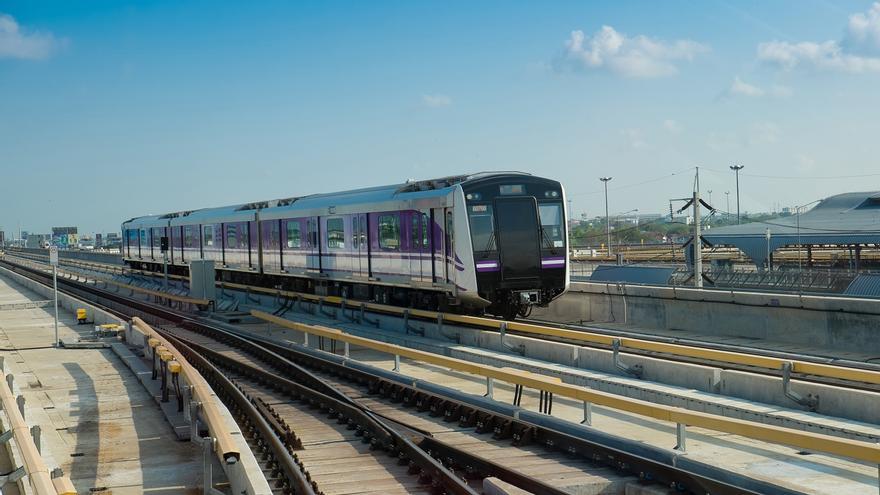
(832, 323)
(95, 314)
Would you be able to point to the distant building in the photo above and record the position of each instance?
(37, 240)
(2, 238)
(65, 237)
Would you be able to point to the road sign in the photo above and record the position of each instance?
(53, 255)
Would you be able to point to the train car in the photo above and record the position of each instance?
(488, 242)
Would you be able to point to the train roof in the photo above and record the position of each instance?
(411, 189)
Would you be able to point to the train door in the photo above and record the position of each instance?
(438, 246)
(313, 255)
(518, 242)
(415, 246)
(449, 245)
(360, 249)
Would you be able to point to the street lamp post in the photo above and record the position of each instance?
(736, 169)
(607, 223)
(767, 235)
(617, 222)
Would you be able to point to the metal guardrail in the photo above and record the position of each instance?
(201, 392)
(853, 449)
(134, 288)
(682, 350)
(41, 480)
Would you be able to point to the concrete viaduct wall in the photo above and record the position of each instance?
(92, 256)
(837, 323)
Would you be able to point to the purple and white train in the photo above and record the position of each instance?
(488, 242)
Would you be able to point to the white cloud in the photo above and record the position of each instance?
(15, 43)
(828, 55)
(672, 126)
(436, 101)
(863, 31)
(634, 138)
(853, 55)
(638, 56)
(740, 87)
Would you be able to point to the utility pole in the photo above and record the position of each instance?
(698, 243)
(607, 222)
(727, 197)
(736, 169)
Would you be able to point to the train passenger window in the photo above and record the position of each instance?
(354, 232)
(335, 233)
(293, 234)
(144, 240)
(312, 226)
(209, 235)
(231, 237)
(389, 231)
(450, 225)
(415, 235)
(243, 235)
(425, 230)
(482, 227)
(188, 236)
(551, 225)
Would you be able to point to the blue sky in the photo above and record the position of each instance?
(112, 109)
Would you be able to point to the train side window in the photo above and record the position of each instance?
(389, 232)
(293, 234)
(450, 224)
(312, 226)
(209, 235)
(415, 234)
(187, 237)
(425, 229)
(144, 238)
(354, 232)
(231, 237)
(335, 233)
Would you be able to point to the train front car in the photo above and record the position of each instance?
(520, 241)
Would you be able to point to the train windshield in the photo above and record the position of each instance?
(551, 224)
(482, 227)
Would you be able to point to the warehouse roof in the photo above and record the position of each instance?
(850, 218)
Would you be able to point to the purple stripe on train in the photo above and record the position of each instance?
(552, 262)
(488, 266)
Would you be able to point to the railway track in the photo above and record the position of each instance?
(307, 414)
(695, 343)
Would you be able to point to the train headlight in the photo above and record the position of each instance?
(552, 194)
(473, 196)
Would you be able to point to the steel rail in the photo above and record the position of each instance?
(863, 451)
(284, 462)
(766, 360)
(506, 427)
(370, 428)
(201, 392)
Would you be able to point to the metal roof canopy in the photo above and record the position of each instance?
(844, 219)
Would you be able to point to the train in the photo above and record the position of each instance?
(489, 242)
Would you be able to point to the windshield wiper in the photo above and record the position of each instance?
(547, 240)
(489, 244)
